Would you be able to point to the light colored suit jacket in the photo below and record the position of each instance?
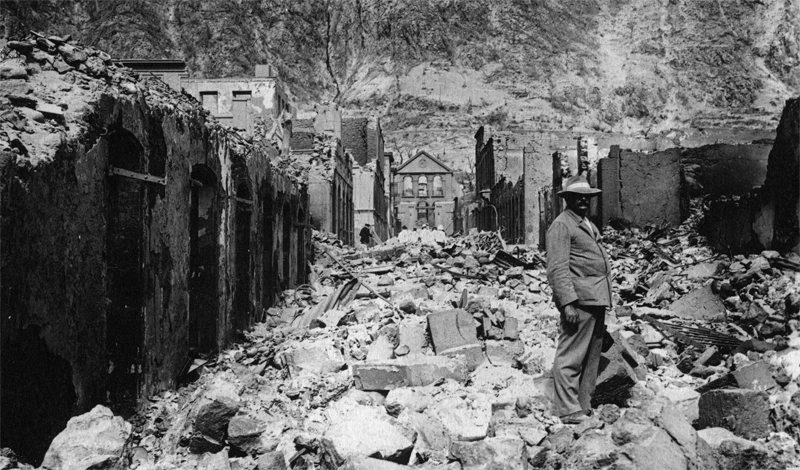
(578, 268)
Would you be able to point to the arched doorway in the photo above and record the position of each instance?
(125, 242)
(267, 268)
(203, 261)
(242, 305)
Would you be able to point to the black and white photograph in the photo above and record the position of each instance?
(399, 234)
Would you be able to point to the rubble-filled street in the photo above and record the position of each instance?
(438, 356)
(235, 258)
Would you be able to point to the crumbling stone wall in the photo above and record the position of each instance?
(652, 190)
(782, 185)
(724, 169)
(59, 292)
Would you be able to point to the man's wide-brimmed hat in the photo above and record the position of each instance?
(578, 185)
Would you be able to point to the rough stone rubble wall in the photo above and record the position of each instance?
(55, 271)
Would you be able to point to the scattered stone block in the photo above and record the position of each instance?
(380, 350)
(408, 371)
(272, 461)
(413, 399)
(92, 440)
(702, 270)
(675, 423)
(433, 440)
(725, 450)
(511, 329)
(412, 333)
(360, 435)
(217, 461)
(453, 333)
(213, 418)
(368, 463)
(755, 376)
(491, 453)
(314, 360)
(251, 435)
(504, 353)
(464, 421)
(618, 373)
(743, 412)
(700, 304)
(686, 399)
(330, 318)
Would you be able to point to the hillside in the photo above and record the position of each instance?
(676, 72)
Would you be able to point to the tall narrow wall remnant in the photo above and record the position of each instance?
(203, 260)
(782, 185)
(133, 229)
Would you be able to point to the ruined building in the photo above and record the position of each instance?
(426, 193)
(137, 234)
(319, 159)
(363, 139)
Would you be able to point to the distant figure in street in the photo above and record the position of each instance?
(439, 236)
(578, 271)
(365, 235)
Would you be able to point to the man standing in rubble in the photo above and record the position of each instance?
(578, 271)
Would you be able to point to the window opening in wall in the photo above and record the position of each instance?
(425, 213)
(422, 186)
(438, 190)
(210, 100)
(125, 242)
(408, 187)
(241, 302)
(203, 261)
(241, 110)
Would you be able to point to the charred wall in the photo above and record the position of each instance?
(153, 237)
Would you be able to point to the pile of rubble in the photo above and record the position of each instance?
(438, 357)
(321, 160)
(51, 86)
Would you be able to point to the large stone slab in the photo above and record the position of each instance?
(362, 435)
(700, 304)
(755, 376)
(493, 453)
(92, 440)
(454, 333)
(743, 412)
(408, 371)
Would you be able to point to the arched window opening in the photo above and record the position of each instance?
(203, 261)
(408, 187)
(438, 190)
(241, 302)
(125, 242)
(422, 186)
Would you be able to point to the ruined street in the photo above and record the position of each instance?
(211, 273)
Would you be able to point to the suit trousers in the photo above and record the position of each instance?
(577, 360)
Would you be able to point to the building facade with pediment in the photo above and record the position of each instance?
(424, 193)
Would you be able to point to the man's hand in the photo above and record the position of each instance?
(570, 314)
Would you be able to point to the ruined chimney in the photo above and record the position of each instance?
(266, 71)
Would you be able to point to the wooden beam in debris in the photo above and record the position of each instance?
(137, 176)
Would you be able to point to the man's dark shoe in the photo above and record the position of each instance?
(574, 418)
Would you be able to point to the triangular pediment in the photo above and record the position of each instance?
(423, 162)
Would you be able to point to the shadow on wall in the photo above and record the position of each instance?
(45, 392)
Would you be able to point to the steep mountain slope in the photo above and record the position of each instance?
(676, 71)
